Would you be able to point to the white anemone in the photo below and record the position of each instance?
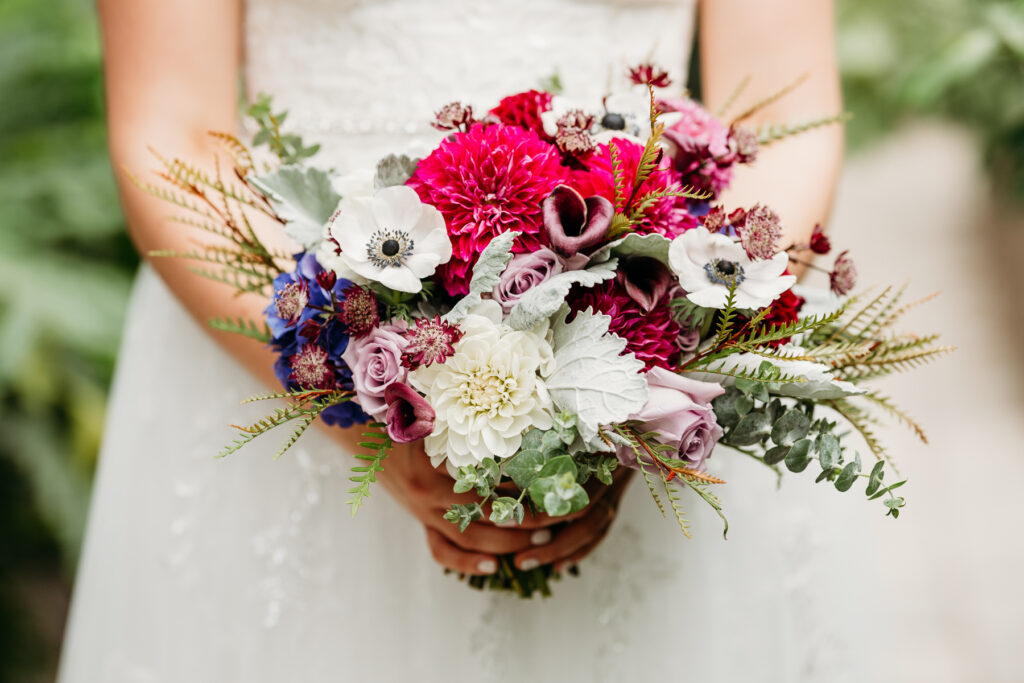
(709, 264)
(392, 238)
(625, 115)
(489, 392)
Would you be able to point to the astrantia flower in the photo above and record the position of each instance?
(760, 233)
(708, 265)
(453, 116)
(359, 311)
(650, 334)
(744, 144)
(668, 216)
(820, 243)
(843, 277)
(524, 110)
(486, 182)
(650, 74)
(393, 238)
(311, 368)
(489, 392)
(432, 340)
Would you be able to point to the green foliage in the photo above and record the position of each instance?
(305, 406)
(246, 328)
(962, 59)
(289, 148)
(378, 443)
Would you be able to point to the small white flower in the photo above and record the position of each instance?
(709, 264)
(391, 238)
(489, 392)
(625, 115)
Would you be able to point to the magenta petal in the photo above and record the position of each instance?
(409, 417)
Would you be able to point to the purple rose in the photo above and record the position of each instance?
(679, 409)
(376, 363)
(409, 416)
(524, 272)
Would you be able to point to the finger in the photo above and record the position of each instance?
(487, 538)
(451, 556)
(570, 539)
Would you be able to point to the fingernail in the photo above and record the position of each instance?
(540, 537)
(487, 567)
(531, 563)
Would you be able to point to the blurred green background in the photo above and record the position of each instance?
(66, 264)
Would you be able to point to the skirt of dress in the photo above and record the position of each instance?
(249, 569)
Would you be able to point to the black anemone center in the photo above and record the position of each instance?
(613, 121)
(726, 267)
(389, 247)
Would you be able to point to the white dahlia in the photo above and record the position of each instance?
(489, 392)
(709, 264)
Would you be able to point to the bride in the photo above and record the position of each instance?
(249, 569)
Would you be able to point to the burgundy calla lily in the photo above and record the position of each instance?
(409, 416)
(573, 223)
(645, 279)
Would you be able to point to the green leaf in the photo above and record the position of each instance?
(743, 405)
(557, 466)
(464, 514)
(776, 455)
(302, 196)
(828, 449)
(525, 467)
(847, 476)
(725, 407)
(887, 489)
(506, 509)
(875, 478)
(798, 458)
(791, 427)
(752, 428)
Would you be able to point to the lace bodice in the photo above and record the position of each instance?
(365, 77)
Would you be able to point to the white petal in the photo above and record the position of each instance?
(397, 207)
(710, 297)
(422, 264)
(353, 228)
(401, 279)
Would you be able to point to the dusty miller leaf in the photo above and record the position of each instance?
(302, 196)
(394, 169)
(591, 379)
(653, 245)
(486, 272)
(544, 300)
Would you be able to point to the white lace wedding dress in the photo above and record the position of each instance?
(248, 569)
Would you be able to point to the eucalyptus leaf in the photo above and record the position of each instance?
(791, 427)
(304, 198)
(776, 455)
(506, 509)
(751, 429)
(847, 476)
(875, 478)
(828, 449)
(797, 460)
(525, 466)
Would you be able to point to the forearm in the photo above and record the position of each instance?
(775, 43)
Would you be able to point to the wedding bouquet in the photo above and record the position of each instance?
(550, 294)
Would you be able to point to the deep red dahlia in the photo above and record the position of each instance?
(486, 182)
(650, 335)
(783, 311)
(668, 216)
(524, 110)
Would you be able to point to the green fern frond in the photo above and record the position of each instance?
(733, 96)
(766, 376)
(646, 201)
(769, 133)
(246, 328)
(378, 444)
(618, 176)
(301, 395)
(895, 411)
(767, 101)
(844, 331)
(861, 422)
(675, 503)
(239, 152)
(304, 423)
(702, 489)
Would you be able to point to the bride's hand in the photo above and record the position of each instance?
(427, 493)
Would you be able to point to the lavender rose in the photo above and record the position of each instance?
(376, 363)
(679, 409)
(524, 272)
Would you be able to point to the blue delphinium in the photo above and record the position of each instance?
(304, 336)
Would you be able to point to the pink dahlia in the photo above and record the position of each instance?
(487, 181)
(524, 110)
(650, 335)
(700, 145)
(668, 216)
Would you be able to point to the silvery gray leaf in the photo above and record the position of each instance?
(544, 300)
(653, 245)
(302, 196)
(486, 272)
